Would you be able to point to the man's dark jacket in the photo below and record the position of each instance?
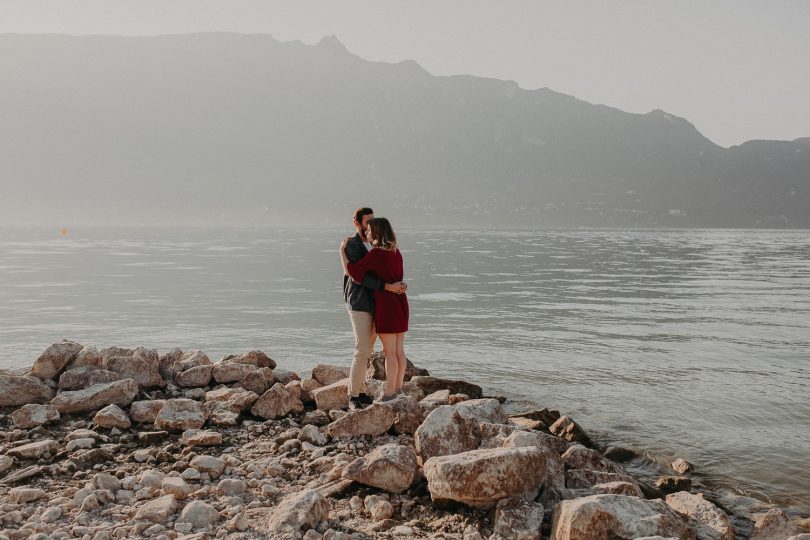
(360, 297)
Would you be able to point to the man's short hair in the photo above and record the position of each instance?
(360, 212)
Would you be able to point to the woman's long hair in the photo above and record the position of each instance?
(382, 234)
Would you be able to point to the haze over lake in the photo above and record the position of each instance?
(685, 342)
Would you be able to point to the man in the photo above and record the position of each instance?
(359, 298)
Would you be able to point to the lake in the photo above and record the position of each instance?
(690, 343)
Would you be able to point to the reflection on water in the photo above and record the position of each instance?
(691, 342)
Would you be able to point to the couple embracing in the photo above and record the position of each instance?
(378, 307)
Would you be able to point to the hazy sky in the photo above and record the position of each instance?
(737, 69)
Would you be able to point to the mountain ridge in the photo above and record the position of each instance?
(245, 122)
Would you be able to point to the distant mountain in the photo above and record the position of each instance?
(238, 128)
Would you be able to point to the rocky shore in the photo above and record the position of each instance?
(129, 443)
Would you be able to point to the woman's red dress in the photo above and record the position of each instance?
(391, 309)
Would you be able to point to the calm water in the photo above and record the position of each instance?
(691, 343)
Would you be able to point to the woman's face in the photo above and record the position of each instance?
(368, 234)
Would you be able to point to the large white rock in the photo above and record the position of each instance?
(157, 510)
(709, 522)
(297, 512)
(119, 393)
(374, 420)
(16, 390)
(391, 467)
(86, 376)
(232, 399)
(35, 450)
(180, 414)
(555, 469)
(580, 457)
(276, 402)
(480, 478)
(33, 415)
(51, 362)
(200, 514)
(211, 465)
(145, 412)
(112, 416)
(616, 516)
(327, 374)
(775, 525)
(517, 519)
(143, 371)
(231, 372)
(447, 430)
(194, 377)
(253, 358)
(332, 396)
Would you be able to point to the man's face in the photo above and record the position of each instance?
(363, 225)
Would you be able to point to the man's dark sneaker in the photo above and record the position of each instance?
(359, 402)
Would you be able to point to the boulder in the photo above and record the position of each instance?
(231, 372)
(232, 399)
(616, 516)
(709, 522)
(436, 399)
(194, 377)
(51, 362)
(300, 511)
(199, 514)
(332, 396)
(327, 374)
(517, 519)
(179, 415)
(579, 457)
(145, 412)
(374, 420)
(212, 466)
(480, 478)
(681, 466)
(555, 469)
(428, 385)
(252, 358)
(311, 434)
(112, 416)
(32, 415)
(567, 429)
(16, 390)
(36, 450)
(87, 357)
(85, 376)
(176, 487)
(391, 467)
(276, 402)
(308, 386)
(22, 495)
(379, 507)
(452, 429)
(115, 351)
(258, 381)
(157, 510)
(201, 437)
(169, 364)
(143, 371)
(119, 393)
(775, 525)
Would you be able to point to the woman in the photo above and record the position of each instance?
(384, 261)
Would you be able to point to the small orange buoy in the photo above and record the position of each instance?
(63, 231)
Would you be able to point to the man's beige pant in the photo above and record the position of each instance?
(364, 337)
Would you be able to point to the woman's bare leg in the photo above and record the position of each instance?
(402, 362)
(389, 344)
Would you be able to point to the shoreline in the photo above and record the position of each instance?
(259, 422)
